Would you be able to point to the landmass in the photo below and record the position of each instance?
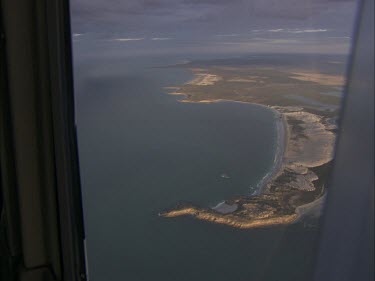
(305, 99)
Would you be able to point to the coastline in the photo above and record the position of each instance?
(282, 140)
(304, 144)
(281, 143)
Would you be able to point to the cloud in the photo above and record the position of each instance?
(308, 31)
(194, 22)
(340, 37)
(160, 38)
(282, 41)
(293, 30)
(166, 11)
(276, 30)
(127, 39)
(228, 35)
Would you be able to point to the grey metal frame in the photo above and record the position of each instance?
(347, 240)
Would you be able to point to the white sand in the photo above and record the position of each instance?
(204, 79)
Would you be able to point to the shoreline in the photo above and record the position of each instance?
(281, 143)
(283, 196)
(282, 140)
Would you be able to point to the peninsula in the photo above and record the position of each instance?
(305, 99)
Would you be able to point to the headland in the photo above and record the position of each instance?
(305, 119)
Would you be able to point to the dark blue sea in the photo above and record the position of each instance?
(141, 151)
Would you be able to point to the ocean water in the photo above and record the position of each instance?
(142, 151)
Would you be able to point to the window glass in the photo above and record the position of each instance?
(206, 134)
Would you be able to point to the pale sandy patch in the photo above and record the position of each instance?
(201, 101)
(316, 149)
(241, 80)
(204, 79)
(196, 69)
(177, 94)
(323, 79)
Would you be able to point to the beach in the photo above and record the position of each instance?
(305, 142)
(282, 139)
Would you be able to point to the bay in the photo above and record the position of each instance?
(142, 151)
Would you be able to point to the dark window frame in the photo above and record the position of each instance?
(39, 165)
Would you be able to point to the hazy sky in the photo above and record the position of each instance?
(143, 26)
